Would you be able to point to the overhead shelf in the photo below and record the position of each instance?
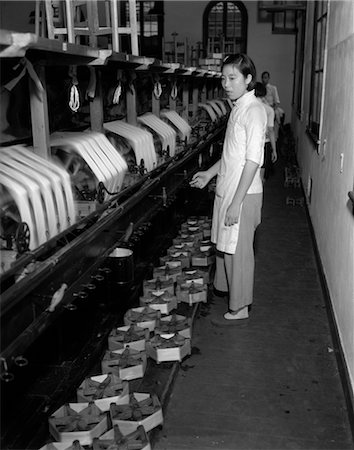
(17, 45)
(54, 52)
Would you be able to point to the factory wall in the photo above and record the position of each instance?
(327, 170)
(16, 15)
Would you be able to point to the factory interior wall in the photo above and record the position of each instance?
(326, 183)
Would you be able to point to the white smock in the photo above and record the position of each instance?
(244, 140)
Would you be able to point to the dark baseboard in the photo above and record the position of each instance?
(338, 350)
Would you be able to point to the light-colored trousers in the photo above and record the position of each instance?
(235, 273)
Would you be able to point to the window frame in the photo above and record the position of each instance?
(244, 22)
(284, 22)
(318, 70)
(297, 100)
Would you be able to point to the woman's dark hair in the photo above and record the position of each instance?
(244, 64)
(260, 90)
(265, 73)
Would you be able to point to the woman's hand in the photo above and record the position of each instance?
(274, 156)
(232, 214)
(200, 179)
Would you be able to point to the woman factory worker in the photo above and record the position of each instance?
(238, 196)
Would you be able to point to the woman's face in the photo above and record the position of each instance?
(265, 79)
(233, 82)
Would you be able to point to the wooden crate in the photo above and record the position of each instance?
(185, 239)
(183, 257)
(156, 284)
(191, 228)
(143, 317)
(168, 347)
(60, 445)
(178, 248)
(168, 272)
(175, 323)
(206, 231)
(191, 221)
(115, 439)
(192, 234)
(78, 421)
(162, 301)
(193, 275)
(103, 390)
(127, 364)
(128, 335)
(203, 257)
(192, 293)
(142, 409)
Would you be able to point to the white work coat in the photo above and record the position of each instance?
(244, 140)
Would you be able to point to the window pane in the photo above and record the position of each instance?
(318, 96)
(216, 20)
(320, 25)
(299, 61)
(290, 17)
(224, 27)
(233, 21)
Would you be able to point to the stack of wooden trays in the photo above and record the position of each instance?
(103, 390)
(160, 300)
(195, 275)
(168, 271)
(174, 324)
(140, 409)
(78, 421)
(158, 284)
(192, 293)
(143, 317)
(127, 364)
(128, 335)
(168, 347)
(155, 330)
(114, 439)
(204, 256)
(183, 257)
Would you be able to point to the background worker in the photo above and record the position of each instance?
(270, 149)
(272, 98)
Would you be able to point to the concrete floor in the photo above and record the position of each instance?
(272, 383)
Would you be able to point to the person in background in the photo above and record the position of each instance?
(270, 149)
(239, 188)
(272, 98)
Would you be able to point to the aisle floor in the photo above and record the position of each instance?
(273, 382)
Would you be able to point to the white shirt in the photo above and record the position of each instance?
(272, 95)
(270, 117)
(244, 140)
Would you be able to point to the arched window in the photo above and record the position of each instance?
(225, 27)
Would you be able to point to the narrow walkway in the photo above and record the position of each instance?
(272, 383)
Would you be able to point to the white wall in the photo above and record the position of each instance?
(271, 52)
(15, 15)
(330, 209)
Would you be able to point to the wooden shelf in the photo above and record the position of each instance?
(53, 52)
(16, 45)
